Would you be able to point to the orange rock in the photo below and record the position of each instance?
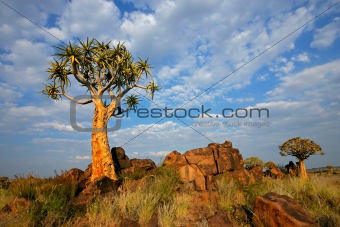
(280, 210)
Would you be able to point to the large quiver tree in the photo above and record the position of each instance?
(102, 69)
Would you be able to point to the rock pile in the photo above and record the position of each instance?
(87, 190)
(202, 164)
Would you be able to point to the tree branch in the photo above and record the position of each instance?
(81, 102)
(81, 79)
(111, 80)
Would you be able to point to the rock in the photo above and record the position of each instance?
(175, 158)
(257, 172)
(129, 223)
(146, 164)
(243, 177)
(229, 159)
(99, 186)
(242, 214)
(197, 155)
(120, 159)
(273, 173)
(73, 175)
(280, 210)
(210, 183)
(154, 220)
(124, 163)
(291, 169)
(188, 173)
(201, 164)
(200, 183)
(226, 144)
(119, 152)
(219, 219)
(208, 166)
(85, 179)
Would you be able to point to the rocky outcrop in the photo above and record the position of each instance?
(257, 172)
(280, 210)
(199, 165)
(125, 165)
(273, 173)
(120, 159)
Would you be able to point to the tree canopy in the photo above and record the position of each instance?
(300, 148)
(100, 67)
(251, 162)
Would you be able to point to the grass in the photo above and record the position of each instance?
(169, 213)
(160, 192)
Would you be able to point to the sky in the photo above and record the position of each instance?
(224, 57)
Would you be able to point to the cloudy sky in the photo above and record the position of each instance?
(219, 55)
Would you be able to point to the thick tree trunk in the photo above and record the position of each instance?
(102, 163)
(302, 169)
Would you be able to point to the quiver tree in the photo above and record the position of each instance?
(102, 69)
(301, 149)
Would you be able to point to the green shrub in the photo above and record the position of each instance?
(164, 183)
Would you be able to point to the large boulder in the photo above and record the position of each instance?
(199, 165)
(257, 172)
(175, 158)
(273, 209)
(120, 159)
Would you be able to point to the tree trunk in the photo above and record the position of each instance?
(102, 163)
(302, 169)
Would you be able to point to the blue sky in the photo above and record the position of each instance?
(193, 47)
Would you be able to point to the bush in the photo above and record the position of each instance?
(251, 162)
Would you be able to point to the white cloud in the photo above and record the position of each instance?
(316, 77)
(78, 157)
(82, 18)
(303, 57)
(26, 64)
(264, 77)
(57, 141)
(325, 36)
(53, 125)
(158, 153)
